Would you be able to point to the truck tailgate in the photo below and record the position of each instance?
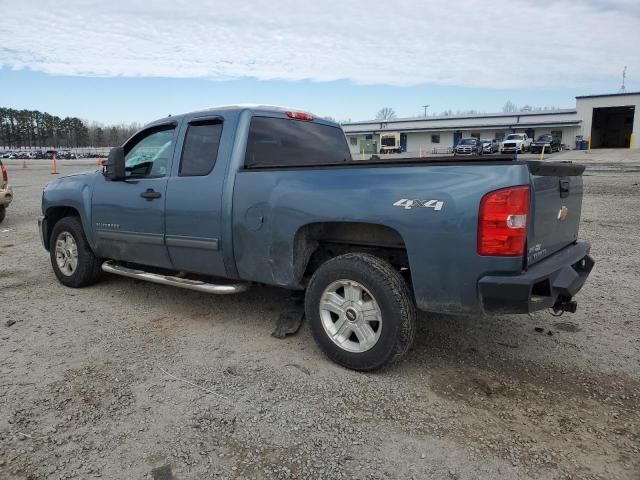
(556, 190)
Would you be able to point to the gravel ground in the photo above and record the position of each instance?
(128, 379)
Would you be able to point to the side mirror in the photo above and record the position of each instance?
(114, 168)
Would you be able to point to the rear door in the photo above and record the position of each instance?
(194, 197)
(556, 208)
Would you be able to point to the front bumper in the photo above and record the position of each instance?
(512, 149)
(554, 279)
(538, 148)
(6, 196)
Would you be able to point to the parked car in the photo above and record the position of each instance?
(275, 198)
(6, 194)
(468, 146)
(489, 146)
(547, 142)
(516, 143)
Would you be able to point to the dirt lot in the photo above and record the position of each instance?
(131, 380)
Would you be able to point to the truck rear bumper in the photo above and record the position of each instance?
(556, 278)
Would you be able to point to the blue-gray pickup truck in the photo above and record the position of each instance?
(220, 199)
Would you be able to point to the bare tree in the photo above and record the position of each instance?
(509, 107)
(386, 113)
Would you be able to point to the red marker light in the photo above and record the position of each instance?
(307, 117)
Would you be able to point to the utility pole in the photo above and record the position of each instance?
(427, 106)
(624, 76)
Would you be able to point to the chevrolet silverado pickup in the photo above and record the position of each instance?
(222, 199)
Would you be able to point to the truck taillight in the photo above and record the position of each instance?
(300, 116)
(502, 222)
(5, 177)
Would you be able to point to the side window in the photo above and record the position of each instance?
(200, 148)
(151, 155)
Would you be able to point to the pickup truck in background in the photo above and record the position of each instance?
(516, 143)
(221, 199)
(546, 142)
(468, 146)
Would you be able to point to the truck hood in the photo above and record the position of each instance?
(72, 180)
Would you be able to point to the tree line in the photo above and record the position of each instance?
(34, 129)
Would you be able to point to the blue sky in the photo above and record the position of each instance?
(122, 62)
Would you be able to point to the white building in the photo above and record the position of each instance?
(607, 121)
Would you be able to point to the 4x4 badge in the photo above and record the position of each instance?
(408, 204)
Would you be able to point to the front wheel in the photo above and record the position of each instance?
(360, 311)
(72, 259)
(3, 212)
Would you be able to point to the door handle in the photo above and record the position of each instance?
(150, 194)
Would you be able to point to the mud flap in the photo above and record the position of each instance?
(290, 320)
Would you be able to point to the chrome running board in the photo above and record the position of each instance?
(199, 286)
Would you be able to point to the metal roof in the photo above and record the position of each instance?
(622, 94)
(562, 111)
(567, 123)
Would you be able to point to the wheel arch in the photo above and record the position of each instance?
(53, 215)
(314, 243)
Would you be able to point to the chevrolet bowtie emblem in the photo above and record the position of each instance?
(562, 214)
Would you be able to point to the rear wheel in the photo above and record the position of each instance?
(72, 259)
(360, 311)
(3, 212)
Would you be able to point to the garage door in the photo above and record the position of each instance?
(611, 127)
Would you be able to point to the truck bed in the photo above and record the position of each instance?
(536, 167)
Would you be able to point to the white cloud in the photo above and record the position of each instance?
(513, 43)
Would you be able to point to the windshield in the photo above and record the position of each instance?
(544, 138)
(514, 137)
(468, 141)
(486, 142)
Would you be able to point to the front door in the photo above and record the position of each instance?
(457, 136)
(128, 215)
(403, 142)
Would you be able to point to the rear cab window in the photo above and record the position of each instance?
(200, 150)
(285, 142)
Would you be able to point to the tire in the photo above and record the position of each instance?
(87, 269)
(384, 294)
(3, 212)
